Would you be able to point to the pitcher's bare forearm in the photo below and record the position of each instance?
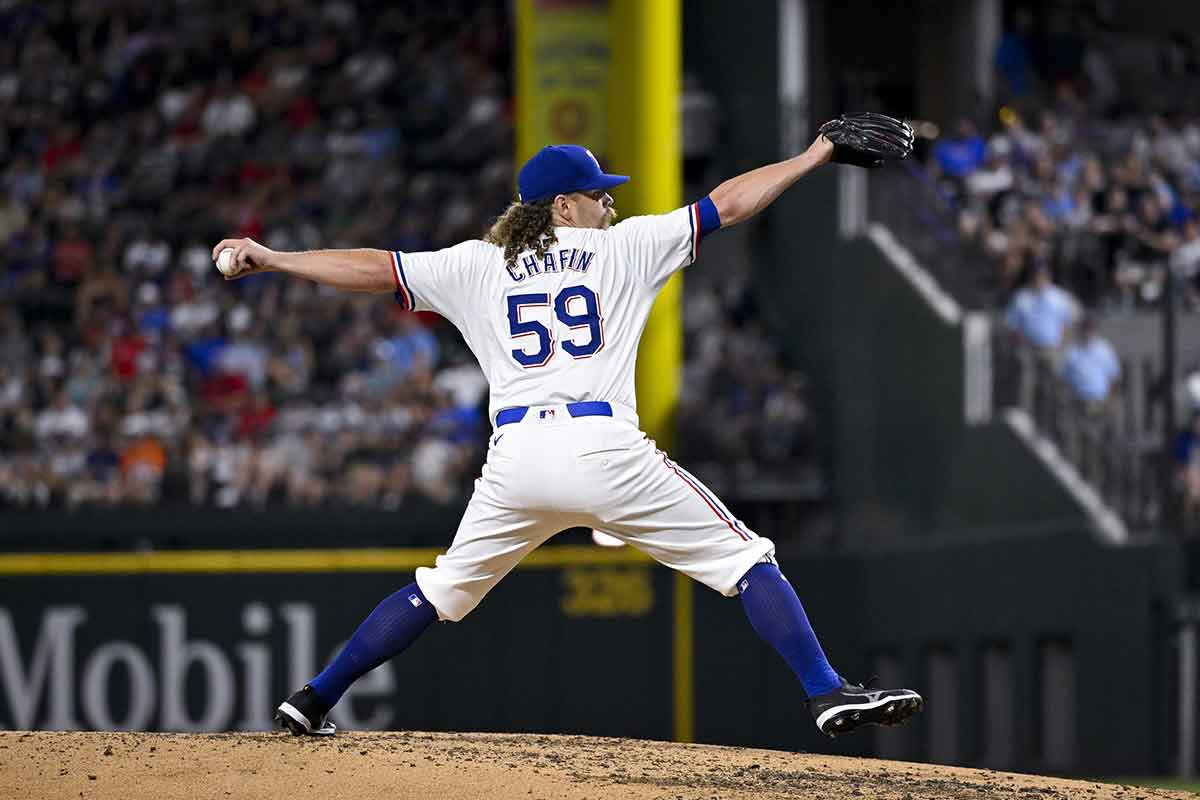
(361, 270)
(738, 199)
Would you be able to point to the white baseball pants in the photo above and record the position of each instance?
(551, 472)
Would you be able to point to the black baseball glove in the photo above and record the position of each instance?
(867, 139)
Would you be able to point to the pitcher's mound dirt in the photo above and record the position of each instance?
(398, 766)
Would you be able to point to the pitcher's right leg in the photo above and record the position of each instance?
(388, 631)
(490, 541)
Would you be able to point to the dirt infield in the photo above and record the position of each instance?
(399, 766)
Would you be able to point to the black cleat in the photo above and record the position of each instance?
(850, 707)
(304, 714)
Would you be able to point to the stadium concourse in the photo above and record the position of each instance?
(412, 765)
(1087, 161)
(132, 375)
(1071, 199)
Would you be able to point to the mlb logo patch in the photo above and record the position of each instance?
(416, 601)
(546, 413)
(744, 585)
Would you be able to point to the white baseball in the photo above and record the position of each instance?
(225, 261)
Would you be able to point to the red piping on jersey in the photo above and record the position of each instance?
(407, 298)
(694, 211)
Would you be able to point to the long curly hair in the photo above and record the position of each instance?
(524, 226)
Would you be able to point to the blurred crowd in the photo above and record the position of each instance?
(134, 135)
(1082, 191)
(1108, 206)
(1091, 167)
(733, 373)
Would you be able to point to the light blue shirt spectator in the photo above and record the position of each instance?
(1091, 367)
(959, 157)
(403, 352)
(1059, 205)
(1042, 313)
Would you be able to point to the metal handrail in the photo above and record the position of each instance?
(1111, 446)
(908, 201)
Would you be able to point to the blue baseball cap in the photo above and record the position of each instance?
(562, 169)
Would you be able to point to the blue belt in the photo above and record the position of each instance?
(588, 408)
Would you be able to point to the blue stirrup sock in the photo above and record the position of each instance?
(775, 613)
(391, 628)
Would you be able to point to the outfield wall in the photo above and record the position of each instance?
(1034, 654)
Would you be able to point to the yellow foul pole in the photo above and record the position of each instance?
(644, 142)
(606, 74)
(524, 82)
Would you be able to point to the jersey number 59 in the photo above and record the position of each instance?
(576, 307)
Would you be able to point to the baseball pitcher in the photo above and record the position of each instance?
(552, 302)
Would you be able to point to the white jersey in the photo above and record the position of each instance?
(558, 329)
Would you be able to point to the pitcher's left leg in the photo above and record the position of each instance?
(667, 512)
(778, 618)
